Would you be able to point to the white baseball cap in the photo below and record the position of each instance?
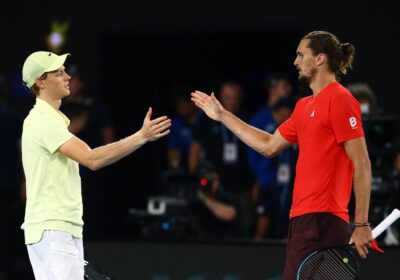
(39, 63)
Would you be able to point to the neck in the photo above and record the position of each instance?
(55, 103)
(320, 81)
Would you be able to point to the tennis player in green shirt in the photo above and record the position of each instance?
(51, 155)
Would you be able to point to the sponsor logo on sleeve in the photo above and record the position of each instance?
(353, 122)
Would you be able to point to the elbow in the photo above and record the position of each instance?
(92, 164)
(93, 167)
(363, 167)
(269, 152)
(367, 166)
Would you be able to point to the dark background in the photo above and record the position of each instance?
(371, 27)
(132, 53)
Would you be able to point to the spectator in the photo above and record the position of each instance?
(227, 155)
(280, 198)
(183, 124)
(216, 213)
(366, 97)
(264, 169)
(99, 129)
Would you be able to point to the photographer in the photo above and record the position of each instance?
(215, 143)
(217, 214)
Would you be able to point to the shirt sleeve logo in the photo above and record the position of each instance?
(353, 122)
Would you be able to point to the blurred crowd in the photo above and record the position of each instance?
(230, 190)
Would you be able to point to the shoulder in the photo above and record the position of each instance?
(304, 100)
(33, 123)
(34, 118)
(301, 102)
(341, 94)
(40, 121)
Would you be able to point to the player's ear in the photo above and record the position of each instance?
(39, 83)
(321, 59)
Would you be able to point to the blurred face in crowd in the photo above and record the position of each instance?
(75, 85)
(365, 105)
(185, 108)
(56, 83)
(231, 97)
(305, 62)
(282, 88)
(282, 114)
(78, 123)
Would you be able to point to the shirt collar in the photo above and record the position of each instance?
(46, 108)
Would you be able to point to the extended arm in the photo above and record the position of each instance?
(261, 141)
(102, 156)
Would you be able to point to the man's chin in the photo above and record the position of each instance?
(303, 79)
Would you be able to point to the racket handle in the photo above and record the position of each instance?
(386, 223)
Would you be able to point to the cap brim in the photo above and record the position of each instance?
(58, 63)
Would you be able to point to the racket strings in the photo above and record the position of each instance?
(330, 264)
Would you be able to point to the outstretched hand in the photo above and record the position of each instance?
(209, 104)
(154, 129)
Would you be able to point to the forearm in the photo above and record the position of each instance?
(362, 191)
(220, 210)
(108, 154)
(251, 136)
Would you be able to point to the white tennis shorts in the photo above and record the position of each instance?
(57, 256)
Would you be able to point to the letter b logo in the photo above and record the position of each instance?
(353, 122)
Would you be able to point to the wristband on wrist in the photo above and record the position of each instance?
(366, 224)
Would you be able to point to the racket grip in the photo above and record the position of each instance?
(386, 223)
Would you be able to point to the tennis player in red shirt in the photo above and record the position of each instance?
(333, 155)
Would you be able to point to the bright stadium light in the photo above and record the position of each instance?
(56, 39)
(57, 36)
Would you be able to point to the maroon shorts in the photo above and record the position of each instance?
(311, 232)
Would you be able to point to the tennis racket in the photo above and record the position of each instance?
(341, 262)
(93, 272)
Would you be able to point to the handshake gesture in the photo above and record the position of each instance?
(154, 129)
(209, 104)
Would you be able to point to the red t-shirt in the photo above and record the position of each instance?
(324, 171)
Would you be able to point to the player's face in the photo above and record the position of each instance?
(305, 62)
(57, 83)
